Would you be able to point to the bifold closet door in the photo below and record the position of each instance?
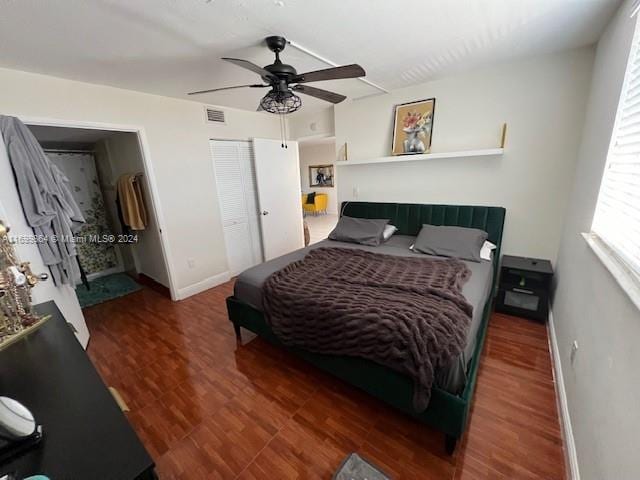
(235, 179)
(278, 180)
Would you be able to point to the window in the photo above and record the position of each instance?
(616, 222)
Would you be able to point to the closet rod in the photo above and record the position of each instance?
(59, 150)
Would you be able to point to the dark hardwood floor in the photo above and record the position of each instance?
(206, 408)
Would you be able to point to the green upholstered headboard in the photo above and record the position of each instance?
(409, 218)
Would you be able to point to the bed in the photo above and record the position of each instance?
(453, 387)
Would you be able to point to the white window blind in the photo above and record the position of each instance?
(617, 217)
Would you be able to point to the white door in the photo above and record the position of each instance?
(278, 179)
(235, 179)
(11, 212)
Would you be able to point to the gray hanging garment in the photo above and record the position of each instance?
(46, 198)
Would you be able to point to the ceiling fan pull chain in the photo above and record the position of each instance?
(284, 127)
(282, 130)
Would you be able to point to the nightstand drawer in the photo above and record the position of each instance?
(528, 303)
(524, 299)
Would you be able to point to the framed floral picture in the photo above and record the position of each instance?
(321, 176)
(413, 127)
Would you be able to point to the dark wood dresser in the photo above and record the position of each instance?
(86, 435)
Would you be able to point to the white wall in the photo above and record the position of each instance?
(178, 140)
(311, 124)
(323, 153)
(11, 213)
(602, 385)
(542, 100)
(107, 181)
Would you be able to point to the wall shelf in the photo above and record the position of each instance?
(487, 152)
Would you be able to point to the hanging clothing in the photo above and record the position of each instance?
(132, 207)
(46, 198)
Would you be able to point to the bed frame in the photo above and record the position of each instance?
(446, 412)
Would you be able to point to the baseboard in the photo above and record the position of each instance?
(571, 457)
(203, 285)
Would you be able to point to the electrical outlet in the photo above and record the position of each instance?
(191, 263)
(574, 350)
(356, 192)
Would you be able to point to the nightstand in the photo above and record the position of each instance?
(525, 287)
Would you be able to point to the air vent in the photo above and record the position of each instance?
(214, 116)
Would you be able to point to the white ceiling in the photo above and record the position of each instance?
(170, 47)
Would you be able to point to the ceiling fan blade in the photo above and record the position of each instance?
(334, 73)
(251, 66)
(257, 85)
(325, 95)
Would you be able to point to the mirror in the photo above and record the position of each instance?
(16, 421)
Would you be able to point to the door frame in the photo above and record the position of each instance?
(143, 145)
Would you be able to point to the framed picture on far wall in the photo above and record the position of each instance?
(321, 175)
(412, 127)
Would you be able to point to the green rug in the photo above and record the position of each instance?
(106, 288)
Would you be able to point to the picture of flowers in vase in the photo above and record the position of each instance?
(413, 127)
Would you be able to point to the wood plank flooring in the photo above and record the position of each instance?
(206, 408)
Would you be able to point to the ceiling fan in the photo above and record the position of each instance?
(284, 80)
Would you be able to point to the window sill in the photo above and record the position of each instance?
(621, 274)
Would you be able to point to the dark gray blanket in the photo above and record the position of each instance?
(405, 313)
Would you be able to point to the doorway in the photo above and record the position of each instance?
(317, 157)
(114, 255)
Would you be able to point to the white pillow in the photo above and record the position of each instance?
(485, 251)
(389, 230)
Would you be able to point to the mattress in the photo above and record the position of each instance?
(248, 289)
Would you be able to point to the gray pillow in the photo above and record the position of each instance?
(359, 230)
(459, 242)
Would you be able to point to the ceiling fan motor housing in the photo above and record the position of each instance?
(283, 71)
(276, 43)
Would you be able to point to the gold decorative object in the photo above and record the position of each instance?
(503, 136)
(343, 155)
(16, 282)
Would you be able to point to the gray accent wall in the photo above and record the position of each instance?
(603, 382)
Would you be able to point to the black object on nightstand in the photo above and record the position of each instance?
(525, 287)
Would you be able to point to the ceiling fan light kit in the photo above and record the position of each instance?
(280, 102)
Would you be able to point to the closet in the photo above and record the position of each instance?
(238, 198)
(258, 184)
(115, 253)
